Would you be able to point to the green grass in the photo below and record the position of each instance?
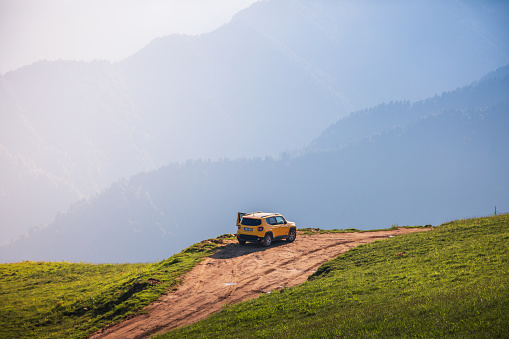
(69, 300)
(451, 282)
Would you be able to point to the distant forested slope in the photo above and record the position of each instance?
(491, 89)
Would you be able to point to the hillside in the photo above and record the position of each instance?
(448, 282)
(64, 300)
(282, 71)
(425, 162)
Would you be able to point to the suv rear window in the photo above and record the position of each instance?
(251, 222)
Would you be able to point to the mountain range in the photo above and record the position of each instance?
(263, 86)
(440, 158)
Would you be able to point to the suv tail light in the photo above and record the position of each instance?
(260, 229)
(238, 227)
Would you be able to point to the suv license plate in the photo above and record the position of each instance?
(248, 229)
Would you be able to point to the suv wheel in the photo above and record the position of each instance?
(291, 236)
(242, 242)
(267, 240)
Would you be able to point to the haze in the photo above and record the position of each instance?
(336, 114)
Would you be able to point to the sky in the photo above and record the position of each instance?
(34, 30)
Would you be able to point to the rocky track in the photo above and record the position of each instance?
(237, 273)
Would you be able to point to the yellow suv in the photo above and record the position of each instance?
(264, 228)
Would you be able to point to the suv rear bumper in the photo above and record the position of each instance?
(250, 238)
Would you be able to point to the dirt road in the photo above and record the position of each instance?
(237, 273)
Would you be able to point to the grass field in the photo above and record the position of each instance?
(449, 282)
(69, 300)
(452, 281)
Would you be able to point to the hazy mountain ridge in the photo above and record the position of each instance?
(448, 163)
(492, 88)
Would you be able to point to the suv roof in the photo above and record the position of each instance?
(260, 215)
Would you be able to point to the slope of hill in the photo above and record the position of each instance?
(63, 300)
(239, 273)
(284, 70)
(450, 282)
(434, 167)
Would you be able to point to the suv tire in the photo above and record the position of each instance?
(242, 242)
(267, 240)
(291, 235)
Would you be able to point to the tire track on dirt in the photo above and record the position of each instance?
(237, 273)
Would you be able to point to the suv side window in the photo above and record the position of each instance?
(271, 221)
(280, 220)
